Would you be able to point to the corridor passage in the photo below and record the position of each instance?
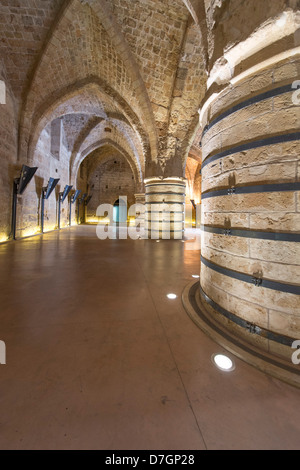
(99, 358)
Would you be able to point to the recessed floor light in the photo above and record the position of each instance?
(223, 362)
(172, 296)
(195, 276)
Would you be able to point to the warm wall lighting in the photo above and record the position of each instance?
(94, 220)
(50, 229)
(31, 232)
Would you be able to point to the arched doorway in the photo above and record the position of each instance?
(116, 211)
(120, 211)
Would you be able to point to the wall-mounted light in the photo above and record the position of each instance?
(193, 203)
(48, 190)
(20, 184)
(26, 176)
(73, 199)
(75, 196)
(65, 193)
(62, 197)
(88, 200)
(46, 193)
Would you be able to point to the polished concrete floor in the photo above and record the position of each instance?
(99, 358)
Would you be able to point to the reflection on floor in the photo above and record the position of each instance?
(99, 358)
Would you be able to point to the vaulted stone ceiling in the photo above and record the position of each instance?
(140, 60)
(138, 65)
(25, 26)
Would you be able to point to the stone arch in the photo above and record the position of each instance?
(130, 85)
(51, 110)
(198, 12)
(102, 10)
(123, 152)
(119, 136)
(190, 140)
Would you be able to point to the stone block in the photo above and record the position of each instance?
(271, 270)
(276, 251)
(279, 322)
(281, 221)
(251, 203)
(236, 220)
(266, 298)
(234, 245)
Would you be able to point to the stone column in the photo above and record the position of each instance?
(250, 264)
(163, 195)
(140, 198)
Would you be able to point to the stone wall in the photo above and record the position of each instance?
(193, 177)
(29, 204)
(107, 175)
(9, 168)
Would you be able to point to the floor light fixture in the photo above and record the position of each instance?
(223, 362)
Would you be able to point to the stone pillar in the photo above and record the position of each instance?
(250, 264)
(140, 198)
(163, 194)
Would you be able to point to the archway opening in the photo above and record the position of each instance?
(107, 176)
